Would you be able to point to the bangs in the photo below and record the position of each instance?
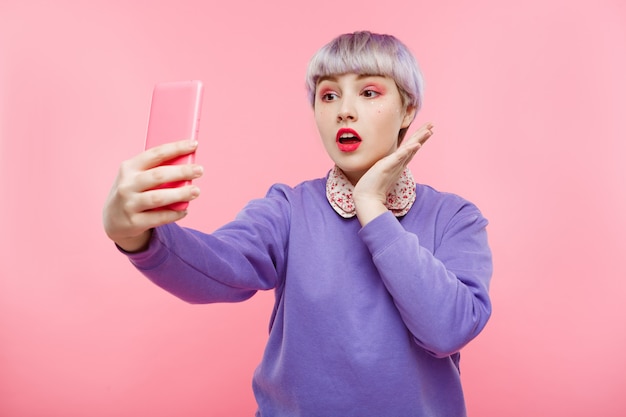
(365, 53)
(335, 62)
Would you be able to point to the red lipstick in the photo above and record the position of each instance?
(348, 140)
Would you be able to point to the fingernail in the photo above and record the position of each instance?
(198, 170)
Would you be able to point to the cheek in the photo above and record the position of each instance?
(385, 111)
(387, 117)
(323, 117)
(319, 117)
(324, 126)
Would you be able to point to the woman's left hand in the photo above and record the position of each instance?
(370, 193)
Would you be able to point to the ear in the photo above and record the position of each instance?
(409, 115)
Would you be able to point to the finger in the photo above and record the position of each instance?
(427, 126)
(423, 133)
(407, 151)
(422, 140)
(155, 218)
(156, 199)
(164, 174)
(416, 141)
(159, 154)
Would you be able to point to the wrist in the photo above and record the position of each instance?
(136, 243)
(368, 209)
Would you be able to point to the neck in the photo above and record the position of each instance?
(353, 177)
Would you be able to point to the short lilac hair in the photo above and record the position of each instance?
(368, 53)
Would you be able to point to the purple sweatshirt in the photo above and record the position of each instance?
(368, 321)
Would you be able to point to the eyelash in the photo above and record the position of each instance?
(368, 93)
(370, 90)
(326, 96)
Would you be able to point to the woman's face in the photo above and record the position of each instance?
(359, 118)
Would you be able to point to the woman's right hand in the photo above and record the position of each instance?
(132, 208)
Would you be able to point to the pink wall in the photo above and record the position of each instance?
(529, 103)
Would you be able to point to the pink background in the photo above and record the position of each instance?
(528, 99)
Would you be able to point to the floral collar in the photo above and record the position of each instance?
(339, 191)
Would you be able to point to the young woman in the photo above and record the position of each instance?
(379, 281)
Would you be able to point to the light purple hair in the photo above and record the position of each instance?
(368, 53)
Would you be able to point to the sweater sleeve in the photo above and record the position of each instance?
(228, 265)
(441, 295)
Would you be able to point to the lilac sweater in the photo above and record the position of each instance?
(367, 321)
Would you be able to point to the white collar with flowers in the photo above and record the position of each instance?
(339, 191)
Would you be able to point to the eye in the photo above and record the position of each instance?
(328, 96)
(370, 93)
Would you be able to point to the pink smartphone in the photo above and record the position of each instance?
(175, 115)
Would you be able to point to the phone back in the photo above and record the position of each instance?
(175, 115)
(174, 112)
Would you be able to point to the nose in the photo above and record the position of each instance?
(347, 111)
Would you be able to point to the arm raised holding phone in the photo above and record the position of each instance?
(134, 205)
(154, 187)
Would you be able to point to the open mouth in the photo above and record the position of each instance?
(348, 140)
